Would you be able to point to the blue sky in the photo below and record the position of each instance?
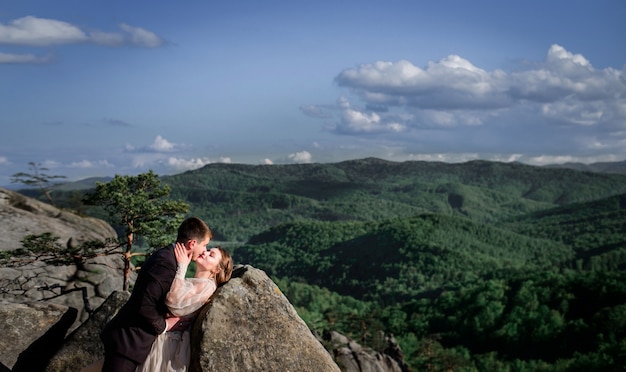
(98, 88)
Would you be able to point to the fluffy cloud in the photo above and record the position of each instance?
(559, 103)
(33, 31)
(40, 31)
(358, 121)
(301, 157)
(160, 144)
(181, 164)
(455, 83)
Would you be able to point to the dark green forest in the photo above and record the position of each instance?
(478, 266)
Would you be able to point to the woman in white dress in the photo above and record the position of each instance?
(171, 351)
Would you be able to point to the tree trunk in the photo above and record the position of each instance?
(129, 246)
(47, 194)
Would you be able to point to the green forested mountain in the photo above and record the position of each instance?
(243, 200)
(397, 259)
(546, 291)
(596, 231)
(480, 266)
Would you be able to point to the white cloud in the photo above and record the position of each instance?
(581, 113)
(561, 159)
(160, 144)
(31, 30)
(4, 160)
(454, 83)
(85, 164)
(34, 31)
(446, 158)
(50, 164)
(558, 54)
(560, 103)
(23, 58)
(183, 164)
(142, 37)
(357, 121)
(180, 164)
(267, 161)
(301, 157)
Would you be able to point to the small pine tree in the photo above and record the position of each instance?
(37, 178)
(140, 205)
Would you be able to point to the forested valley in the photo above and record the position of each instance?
(478, 266)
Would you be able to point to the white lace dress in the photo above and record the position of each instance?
(171, 351)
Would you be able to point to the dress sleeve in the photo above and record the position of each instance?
(188, 295)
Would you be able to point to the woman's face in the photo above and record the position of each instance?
(210, 260)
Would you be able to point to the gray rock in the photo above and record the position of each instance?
(250, 325)
(352, 357)
(32, 333)
(83, 288)
(23, 216)
(83, 347)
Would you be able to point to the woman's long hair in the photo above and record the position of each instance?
(226, 266)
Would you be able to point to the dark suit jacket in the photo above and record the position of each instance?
(133, 330)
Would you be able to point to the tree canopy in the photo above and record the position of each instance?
(140, 206)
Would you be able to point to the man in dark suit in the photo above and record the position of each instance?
(128, 337)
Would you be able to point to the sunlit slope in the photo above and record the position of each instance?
(396, 259)
(595, 230)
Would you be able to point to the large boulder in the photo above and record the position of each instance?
(82, 286)
(250, 325)
(23, 216)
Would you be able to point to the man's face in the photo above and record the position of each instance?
(198, 247)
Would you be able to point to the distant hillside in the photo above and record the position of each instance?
(618, 167)
(84, 184)
(397, 259)
(596, 230)
(242, 200)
